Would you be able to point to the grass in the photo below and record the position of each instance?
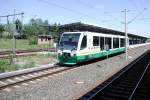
(20, 44)
(26, 62)
(40, 58)
(6, 66)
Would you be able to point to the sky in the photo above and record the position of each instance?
(102, 13)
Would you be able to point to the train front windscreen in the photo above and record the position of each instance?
(69, 41)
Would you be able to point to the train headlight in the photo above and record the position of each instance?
(73, 53)
(59, 52)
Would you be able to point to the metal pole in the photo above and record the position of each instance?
(126, 52)
(49, 44)
(56, 52)
(13, 39)
(21, 23)
(107, 59)
(22, 18)
(7, 20)
(13, 32)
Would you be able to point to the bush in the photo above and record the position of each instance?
(2, 66)
(28, 65)
(51, 55)
(32, 40)
(5, 66)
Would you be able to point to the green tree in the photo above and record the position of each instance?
(2, 29)
(54, 29)
(31, 33)
(33, 29)
(18, 26)
(37, 27)
(46, 28)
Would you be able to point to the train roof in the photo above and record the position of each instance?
(78, 26)
(102, 34)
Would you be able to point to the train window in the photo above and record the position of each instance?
(122, 42)
(95, 41)
(83, 43)
(102, 43)
(116, 42)
(108, 41)
(41, 39)
(69, 40)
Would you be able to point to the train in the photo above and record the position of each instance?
(76, 47)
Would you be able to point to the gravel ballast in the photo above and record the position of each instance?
(71, 84)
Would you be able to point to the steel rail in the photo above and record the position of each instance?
(132, 94)
(8, 54)
(28, 50)
(116, 77)
(28, 72)
(36, 77)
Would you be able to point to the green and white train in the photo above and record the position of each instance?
(76, 47)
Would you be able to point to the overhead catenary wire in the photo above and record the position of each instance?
(134, 4)
(113, 18)
(144, 18)
(86, 4)
(68, 9)
(107, 21)
(139, 14)
(98, 20)
(12, 15)
(141, 3)
(97, 9)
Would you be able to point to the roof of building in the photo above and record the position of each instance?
(78, 26)
(45, 35)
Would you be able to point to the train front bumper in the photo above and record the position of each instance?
(67, 59)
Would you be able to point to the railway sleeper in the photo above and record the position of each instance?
(123, 85)
(130, 83)
(106, 98)
(119, 91)
(110, 98)
(113, 95)
(142, 92)
(119, 88)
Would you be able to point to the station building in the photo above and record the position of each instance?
(78, 26)
(45, 39)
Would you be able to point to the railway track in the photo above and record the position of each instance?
(131, 83)
(31, 76)
(8, 54)
(26, 51)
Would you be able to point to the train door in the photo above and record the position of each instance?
(99, 43)
(102, 42)
(108, 42)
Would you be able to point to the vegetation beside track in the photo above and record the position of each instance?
(6, 66)
(20, 44)
(26, 62)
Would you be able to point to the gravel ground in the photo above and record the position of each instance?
(71, 84)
